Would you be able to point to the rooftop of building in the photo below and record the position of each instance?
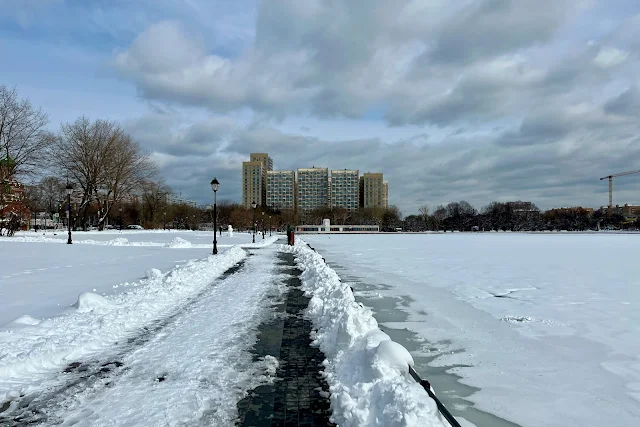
(312, 169)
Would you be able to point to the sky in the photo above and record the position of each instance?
(476, 100)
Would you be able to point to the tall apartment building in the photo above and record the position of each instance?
(263, 158)
(254, 179)
(252, 183)
(281, 189)
(373, 191)
(345, 189)
(313, 188)
(385, 195)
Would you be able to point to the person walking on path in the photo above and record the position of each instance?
(289, 235)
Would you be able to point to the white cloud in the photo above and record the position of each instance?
(610, 57)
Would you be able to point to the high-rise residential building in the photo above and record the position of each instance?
(254, 179)
(385, 195)
(313, 188)
(345, 189)
(281, 189)
(373, 192)
(264, 158)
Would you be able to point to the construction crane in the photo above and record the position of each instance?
(610, 178)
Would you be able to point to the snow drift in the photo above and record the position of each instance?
(367, 373)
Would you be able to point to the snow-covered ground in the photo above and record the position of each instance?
(548, 325)
(172, 347)
(197, 369)
(40, 275)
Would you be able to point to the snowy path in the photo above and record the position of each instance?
(299, 396)
(178, 348)
(194, 367)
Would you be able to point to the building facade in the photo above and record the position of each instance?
(345, 189)
(374, 193)
(263, 158)
(252, 183)
(281, 189)
(385, 195)
(254, 179)
(313, 188)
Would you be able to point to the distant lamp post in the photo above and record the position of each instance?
(253, 205)
(69, 190)
(214, 186)
(120, 209)
(164, 220)
(262, 225)
(269, 225)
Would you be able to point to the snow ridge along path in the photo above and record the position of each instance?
(197, 369)
(367, 372)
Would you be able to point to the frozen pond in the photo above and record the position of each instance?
(541, 329)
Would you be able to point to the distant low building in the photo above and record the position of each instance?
(570, 209)
(524, 209)
(327, 227)
(629, 212)
(12, 202)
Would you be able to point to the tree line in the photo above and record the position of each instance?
(102, 163)
(512, 216)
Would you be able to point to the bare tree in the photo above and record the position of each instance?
(52, 191)
(439, 216)
(154, 197)
(23, 137)
(103, 161)
(424, 215)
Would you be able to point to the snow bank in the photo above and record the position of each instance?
(367, 373)
(24, 321)
(178, 242)
(31, 352)
(88, 301)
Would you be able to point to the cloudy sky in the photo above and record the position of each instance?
(482, 100)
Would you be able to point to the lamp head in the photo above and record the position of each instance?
(215, 184)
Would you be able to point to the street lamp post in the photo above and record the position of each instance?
(262, 225)
(214, 186)
(120, 209)
(69, 190)
(164, 220)
(269, 225)
(253, 205)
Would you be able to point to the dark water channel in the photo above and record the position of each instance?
(392, 311)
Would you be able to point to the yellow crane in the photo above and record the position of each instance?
(610, 178)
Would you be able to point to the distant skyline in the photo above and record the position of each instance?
(484, 100)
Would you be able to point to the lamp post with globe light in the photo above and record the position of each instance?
(214, 186)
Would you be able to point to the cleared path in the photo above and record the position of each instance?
(299, 397)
